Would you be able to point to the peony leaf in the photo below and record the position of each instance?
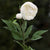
(18, 26)
(37, 35)
(13, 28)
(40, 32)
(28, 31)
(16, 36)
(24, 26)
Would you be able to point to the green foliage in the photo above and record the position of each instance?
(37, 35)
(24, 26)
(18, 26)
(16, 31)
(20, 33)
(20, 44)
(28, 31)
(25, 47)
(13, 28)
(16, 37)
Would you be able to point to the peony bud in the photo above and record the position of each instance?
(19, 16)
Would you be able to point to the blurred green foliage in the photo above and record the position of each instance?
(9, 8)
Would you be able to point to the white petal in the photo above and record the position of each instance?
(19, 16)
(28, 10)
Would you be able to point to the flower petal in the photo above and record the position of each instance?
(28, 10)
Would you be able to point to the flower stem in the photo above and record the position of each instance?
(23, 39)
(20, 44)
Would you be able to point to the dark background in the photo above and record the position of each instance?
(9, 8)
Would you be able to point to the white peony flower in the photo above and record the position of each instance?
(19, 16)
(28, 10)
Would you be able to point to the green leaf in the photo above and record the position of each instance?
(12, 25)
(8, 23)
(40, 32)
(13, 28)
(18, 26)
(37, 35)
(20, 44)
(16, 36)
(28, 31)
(24, 26)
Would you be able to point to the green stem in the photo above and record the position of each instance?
(23, 45)
(23, 35)
(20, 44)
(23, 39)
